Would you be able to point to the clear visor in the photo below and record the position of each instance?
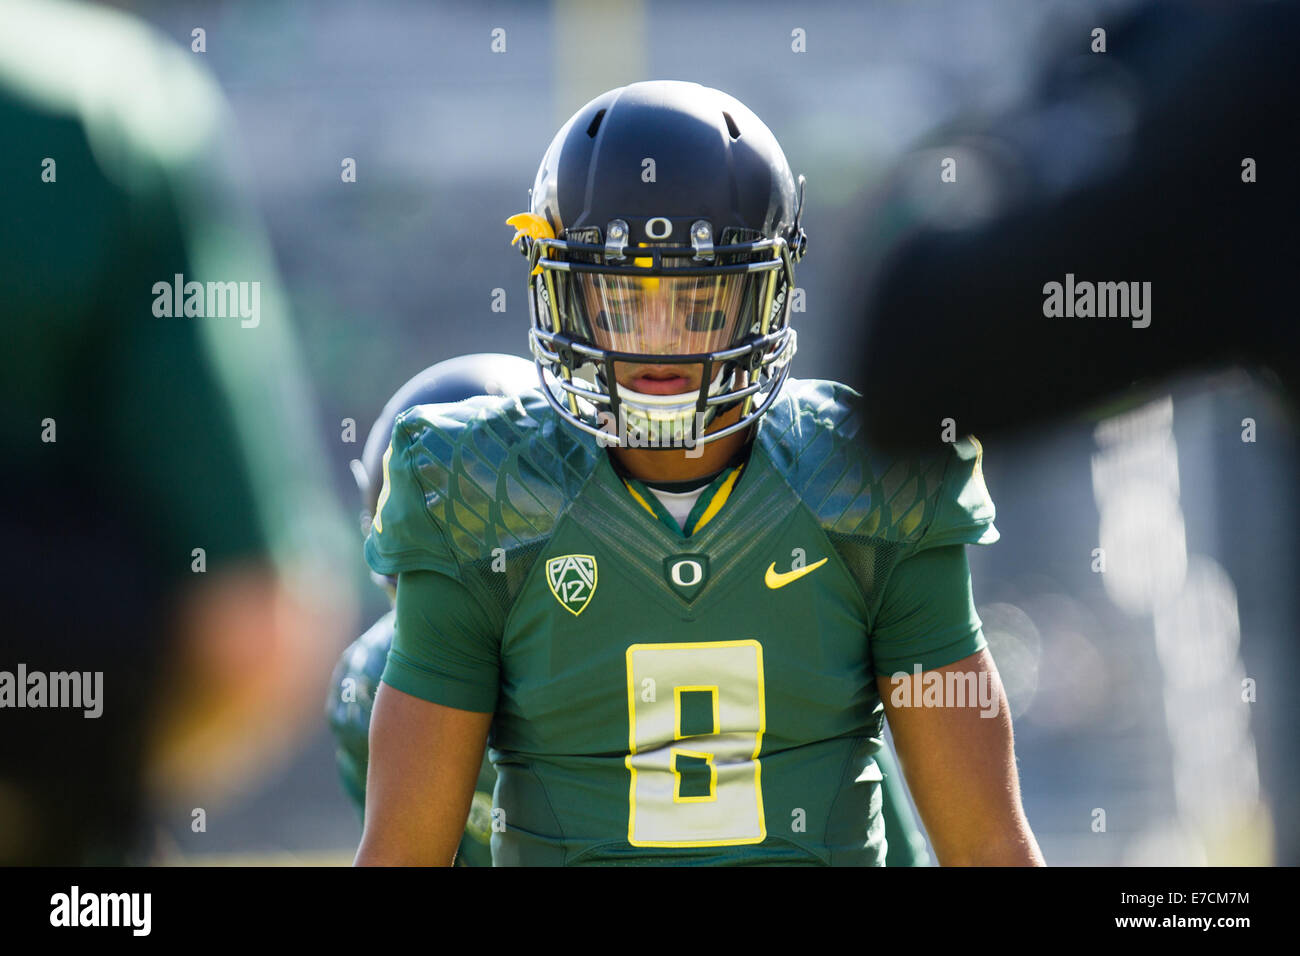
(661, 315)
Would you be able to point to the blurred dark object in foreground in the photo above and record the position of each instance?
(170, 557)
(1123, 166)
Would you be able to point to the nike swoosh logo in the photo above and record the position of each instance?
(779, 579)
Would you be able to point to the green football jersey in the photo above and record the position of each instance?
(348, 709)
(664, 697)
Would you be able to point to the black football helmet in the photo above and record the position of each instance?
(456, 379)
(663, 229)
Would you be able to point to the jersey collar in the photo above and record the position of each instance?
(707, 506)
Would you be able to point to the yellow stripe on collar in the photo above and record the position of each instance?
(644, 504)
(719, 499)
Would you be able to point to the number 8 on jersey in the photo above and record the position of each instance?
(696, 720)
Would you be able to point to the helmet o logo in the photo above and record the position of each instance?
(654, 232)
(697, 573)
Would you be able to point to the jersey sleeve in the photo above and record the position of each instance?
(964, 511)
(927, 615)
(446, 648)
(404, 535)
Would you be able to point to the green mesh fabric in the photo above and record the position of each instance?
(501, 588)
(869, 560)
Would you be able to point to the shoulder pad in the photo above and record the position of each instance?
(963, 510)
(926, 499)
(463, 479)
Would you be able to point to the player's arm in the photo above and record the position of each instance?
(439, 687)
(960, 765)
(424, 761)
(955, 748)
(430, 722)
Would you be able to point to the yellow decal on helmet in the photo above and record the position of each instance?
(650, 283)
(532, 225)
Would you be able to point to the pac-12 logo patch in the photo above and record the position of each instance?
(572, 578)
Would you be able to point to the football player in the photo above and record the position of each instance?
(356, 676)
(668, 584)
(358, 672)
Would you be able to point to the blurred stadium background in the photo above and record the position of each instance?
(1126, 687)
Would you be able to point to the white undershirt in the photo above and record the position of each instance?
(678, 503)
